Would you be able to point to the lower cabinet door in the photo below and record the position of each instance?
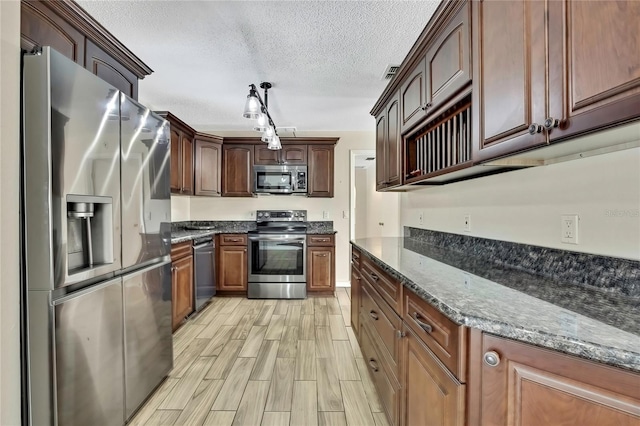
(433, 396)
(182, 289)
(320, 269)
(526, 385)
(356, 283)
(233, 268)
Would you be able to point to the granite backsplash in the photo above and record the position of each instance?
(608, 274)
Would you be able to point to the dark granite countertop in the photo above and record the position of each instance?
(182, 231)
(580, 320)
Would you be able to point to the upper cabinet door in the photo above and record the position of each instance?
(594, 64)
(320, 171)
(509, 89)
(293, 154)
(108, 69)
(393, 144)
(40, 27)
(237, 161)
(265, 156)
(187, 164)
(413, 102)
(381, 151)
(176, 163)
(448, 60)
(208, 168)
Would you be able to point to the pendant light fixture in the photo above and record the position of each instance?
(255, 108)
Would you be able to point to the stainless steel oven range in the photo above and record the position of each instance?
(277, 255)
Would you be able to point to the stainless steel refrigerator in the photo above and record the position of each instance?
(96, 234)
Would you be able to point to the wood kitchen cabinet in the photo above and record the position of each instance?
(356, 284)
(288, 155)
(70, 30)
(320, 170)
(586, 78)
(441, 73)
(232, 263)
(181, 282)
(208, 165)
(321, 264)
(523, 384)
(237, 167)
(434, 396)
(181, 154)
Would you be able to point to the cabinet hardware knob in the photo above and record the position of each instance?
(426, 327)
(374, 276)
(491, 358)
(373, 314)
(426, 106)
(551, 122)
(373, 364)
(535, 128)
(400, 334)
(322, 255)
(245, 250)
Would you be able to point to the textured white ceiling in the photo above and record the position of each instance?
(325, 59)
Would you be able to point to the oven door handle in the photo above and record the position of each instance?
(277, 238)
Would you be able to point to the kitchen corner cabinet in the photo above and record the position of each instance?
(232, 263)
(320, 170)
(523, 384)
(321, 264)
(526, 91)
(208, 165)
(388, 146)
(181, 282)
(288, 155)
(68, 29)
(181, 154)
(237, 167)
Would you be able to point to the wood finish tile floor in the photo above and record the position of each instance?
(267, 362)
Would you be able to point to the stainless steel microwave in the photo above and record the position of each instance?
(280, 179)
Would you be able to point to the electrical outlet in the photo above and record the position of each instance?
(325, 214)
(467, 223)
(569, 229)
(421, 218)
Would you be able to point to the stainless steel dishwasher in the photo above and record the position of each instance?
(204, 282)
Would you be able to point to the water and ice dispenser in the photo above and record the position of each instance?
(89, 232)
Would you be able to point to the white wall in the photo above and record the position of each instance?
(361, 192)
(223, 208)
(180, 208)
(525, 206)
(9, 187)
(382, 208)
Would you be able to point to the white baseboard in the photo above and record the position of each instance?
(343, 283)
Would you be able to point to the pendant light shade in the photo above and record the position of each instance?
(267, 135)
(263, 120)
(252, 106)
(275, 143)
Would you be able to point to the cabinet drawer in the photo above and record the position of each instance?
(180, 250)
(233, 239)
(445, 338)
(355, 258)
(384, 325)
(320, 240)
(389, 288)
(387, 386)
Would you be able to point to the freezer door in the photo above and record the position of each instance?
(89, 361)
(146, 201)
(148, 339)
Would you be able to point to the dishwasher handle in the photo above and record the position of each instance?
(207, 244)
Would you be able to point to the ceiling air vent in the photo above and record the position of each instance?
(390, 72)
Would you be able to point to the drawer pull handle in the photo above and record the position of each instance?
(426, 327)
(373, 314)
(374, 276)
(322, 240)
(322, 255)
(373, 364)
(491, 358)
(233, 240)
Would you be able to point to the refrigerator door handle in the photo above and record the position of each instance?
(89, 290)
(136, 272)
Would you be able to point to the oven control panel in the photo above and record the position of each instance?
(281, 216)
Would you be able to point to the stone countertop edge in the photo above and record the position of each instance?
(542, 326)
